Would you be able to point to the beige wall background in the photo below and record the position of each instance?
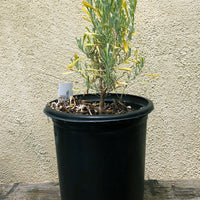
(37, 39)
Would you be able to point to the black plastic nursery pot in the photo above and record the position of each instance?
(102, 157)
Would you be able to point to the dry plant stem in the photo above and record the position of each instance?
(101, 103)
(102, 97)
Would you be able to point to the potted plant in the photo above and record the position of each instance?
(100, 137)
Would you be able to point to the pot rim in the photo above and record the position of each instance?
(146, 106)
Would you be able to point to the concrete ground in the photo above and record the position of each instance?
(154, 190)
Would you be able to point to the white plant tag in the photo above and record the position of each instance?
(65, 91)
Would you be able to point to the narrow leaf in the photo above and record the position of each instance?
(135, 61)
(152, 75)
(136, 54)
(125, 46)
(76, 89)
(124, 5)
(121, 84)
(85, 18)
(64, 73)
(86, 4)
(88, 44)
(125, 69)
(73, 63)
(144, 82)
(86, 12)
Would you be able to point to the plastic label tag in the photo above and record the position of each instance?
(65, 91)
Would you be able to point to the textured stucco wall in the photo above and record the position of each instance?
(37, 39)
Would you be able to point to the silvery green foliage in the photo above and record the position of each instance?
(109, 62)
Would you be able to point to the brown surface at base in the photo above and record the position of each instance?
(154, 190)
(85, 107)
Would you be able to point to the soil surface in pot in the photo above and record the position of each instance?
(87, 107)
